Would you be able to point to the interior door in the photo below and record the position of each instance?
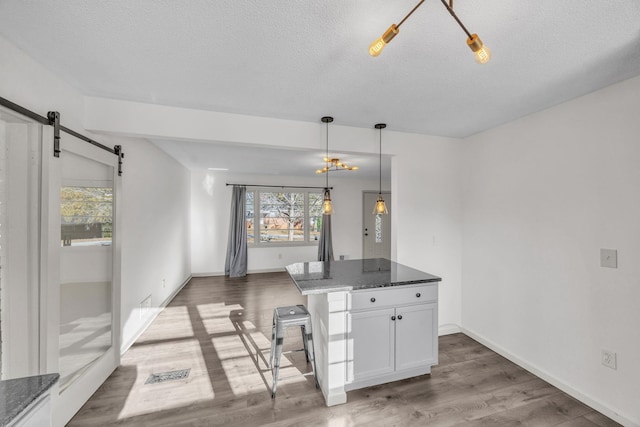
(376, 234)
(82, 260)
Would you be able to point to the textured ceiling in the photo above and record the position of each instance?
(270, 161)
(304, 59)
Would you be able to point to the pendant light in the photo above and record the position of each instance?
(381, 207)
(327, 206)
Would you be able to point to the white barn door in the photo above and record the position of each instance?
(81, 258)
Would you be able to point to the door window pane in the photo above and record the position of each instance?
(86, 216)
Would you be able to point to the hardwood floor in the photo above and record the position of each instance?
(220, 328)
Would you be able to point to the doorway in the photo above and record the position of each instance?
(376, 234)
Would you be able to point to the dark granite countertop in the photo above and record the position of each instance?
(17, 394)
(350, 275)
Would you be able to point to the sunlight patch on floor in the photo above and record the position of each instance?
(172, 323)
(164, 357)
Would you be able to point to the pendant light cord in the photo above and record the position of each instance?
(380, 163)
(327, 154)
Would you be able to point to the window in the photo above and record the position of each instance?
(86, 216)
(283, 217)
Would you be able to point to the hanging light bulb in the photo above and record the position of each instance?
(480, 51)
(327, 206)
(378, 45)
(381, 206)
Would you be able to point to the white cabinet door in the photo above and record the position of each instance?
(371, 352)
(416, 343)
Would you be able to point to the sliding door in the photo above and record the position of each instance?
(81, 259)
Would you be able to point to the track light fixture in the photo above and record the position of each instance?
(481, 52)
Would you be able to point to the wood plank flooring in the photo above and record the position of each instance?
(220, 328)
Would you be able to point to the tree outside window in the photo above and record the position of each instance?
(283, 217)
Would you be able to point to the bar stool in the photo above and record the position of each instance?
(283, 317)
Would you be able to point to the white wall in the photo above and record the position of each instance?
(156, 231)
(210, 206)
(542, 195)
(155, 223)
(427, 221)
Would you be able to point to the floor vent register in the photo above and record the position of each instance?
(168, 376)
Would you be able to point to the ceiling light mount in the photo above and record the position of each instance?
(481, 52)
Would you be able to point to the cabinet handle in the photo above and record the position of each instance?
(418, 295)
(393, 317)
(399, 316)
(373, 300)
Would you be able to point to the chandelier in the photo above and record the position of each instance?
(332, 163)
(481, 52)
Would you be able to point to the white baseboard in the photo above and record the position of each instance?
(556, 382)
(268, 270)
(155, 312)
(448, 329)
(207, 274)
(219, 273)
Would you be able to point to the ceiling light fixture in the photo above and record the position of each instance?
(327, 206)
(481, 52)
(332, 163)
(381, 207)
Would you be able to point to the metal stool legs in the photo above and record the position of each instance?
(284, 317)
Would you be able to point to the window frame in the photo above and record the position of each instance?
(259, 243)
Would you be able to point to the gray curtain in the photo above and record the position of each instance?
(236, 262)
(325, 246)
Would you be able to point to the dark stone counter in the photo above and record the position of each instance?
(350, 275)
(16, 395)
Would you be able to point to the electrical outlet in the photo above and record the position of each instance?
(609, 258)
(609, 359)
(164, 283)
(279, 256)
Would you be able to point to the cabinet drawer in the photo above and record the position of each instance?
(392, 296)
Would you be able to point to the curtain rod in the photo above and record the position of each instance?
(53, 119)
(280, 186)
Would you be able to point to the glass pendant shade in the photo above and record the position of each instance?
(380, 207)
(327, 206)
(481, 53)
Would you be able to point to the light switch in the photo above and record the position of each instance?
(609, 258)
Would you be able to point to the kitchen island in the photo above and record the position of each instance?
(26, 401)
(374, 321)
